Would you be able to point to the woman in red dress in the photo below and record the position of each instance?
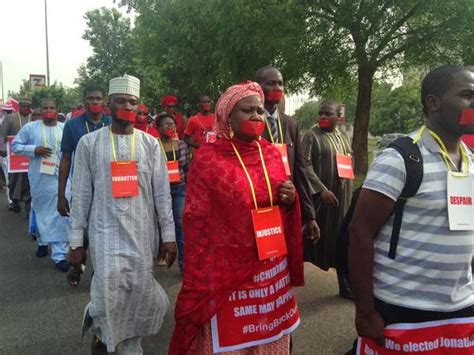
(237, 294)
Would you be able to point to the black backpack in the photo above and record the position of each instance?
(414, 169)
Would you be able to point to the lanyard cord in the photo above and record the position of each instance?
(164, 152)
(19, 120)
(279, 128)
(55, 147)
(87, 126)
(444, 151)
(345, 149)
(132, 158)
(267, 179)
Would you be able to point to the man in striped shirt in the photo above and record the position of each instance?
(430, 277)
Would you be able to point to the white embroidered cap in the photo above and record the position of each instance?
(126, 84)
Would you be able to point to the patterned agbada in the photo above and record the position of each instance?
(126, 300)
(52, 226)
(221, 252)
(320, 154)
(19, 188)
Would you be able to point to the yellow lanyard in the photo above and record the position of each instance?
(345, 149)
(164, 152)
(132, 158)
(19, 120)
(56, 143)
(279, 128)
(444, 152)
(87, 126)
(267, 179)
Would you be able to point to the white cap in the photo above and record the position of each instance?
(126, 84)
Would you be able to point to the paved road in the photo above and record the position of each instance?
(41, 314)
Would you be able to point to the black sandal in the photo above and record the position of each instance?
(73, 277)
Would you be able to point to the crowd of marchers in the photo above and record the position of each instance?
(242, 198)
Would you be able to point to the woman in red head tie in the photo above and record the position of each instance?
(169, 103)
(243, 250)
(141, 121)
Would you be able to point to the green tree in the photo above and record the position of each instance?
(306, 114)
(116, 52)
(396, 110)
(327, 46)
(64, 96)
(368, 37)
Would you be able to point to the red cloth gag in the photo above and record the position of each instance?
(221, 251)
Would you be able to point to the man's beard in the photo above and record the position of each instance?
(122, 123)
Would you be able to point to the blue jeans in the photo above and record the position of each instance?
(178, 194)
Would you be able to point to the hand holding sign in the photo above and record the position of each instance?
(44, 152)
(370, 325)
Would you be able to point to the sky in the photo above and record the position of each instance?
(23, 45)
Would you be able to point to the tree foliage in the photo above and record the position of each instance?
(329, 47)
(64, 96)
(116, 52)
(397, 110)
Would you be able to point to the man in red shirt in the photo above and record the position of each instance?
(202, 126)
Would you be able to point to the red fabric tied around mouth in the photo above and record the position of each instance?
(96, 108)
(251, 127)
(467, 117)
(49, 115)
(125, 115)
(325, 123)
(274, 95)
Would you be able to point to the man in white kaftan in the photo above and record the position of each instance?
(127, 303)
(37, 140)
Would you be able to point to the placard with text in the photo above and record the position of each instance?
(259, 311)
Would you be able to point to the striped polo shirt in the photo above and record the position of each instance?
(432, 267)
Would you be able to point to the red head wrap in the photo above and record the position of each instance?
(170, 99)
(229, 99)
(143, 108)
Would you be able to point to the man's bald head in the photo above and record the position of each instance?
(262, 73)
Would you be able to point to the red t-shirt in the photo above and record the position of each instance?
(199, 125)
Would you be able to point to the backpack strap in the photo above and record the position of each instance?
(413, 159)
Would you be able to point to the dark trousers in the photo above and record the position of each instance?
(178, 195)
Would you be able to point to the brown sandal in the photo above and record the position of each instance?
(98, 347)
